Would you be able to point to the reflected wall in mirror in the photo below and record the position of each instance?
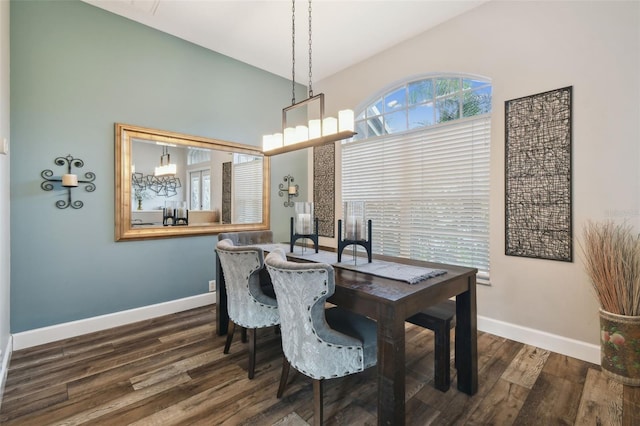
(170, 184)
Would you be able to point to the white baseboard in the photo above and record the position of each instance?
(562, 345)
(67, 330)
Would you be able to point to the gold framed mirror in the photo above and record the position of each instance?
(170, 185)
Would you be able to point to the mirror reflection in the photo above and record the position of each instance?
(174, 184)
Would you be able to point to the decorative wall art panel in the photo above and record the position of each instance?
(324, 166)
(538, 212)
(226, 192)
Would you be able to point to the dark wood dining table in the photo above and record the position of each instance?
(390, 302)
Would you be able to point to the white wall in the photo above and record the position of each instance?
(5, 258)
(527, 48)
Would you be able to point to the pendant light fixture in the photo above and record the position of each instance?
(317, 131)
(165, 168)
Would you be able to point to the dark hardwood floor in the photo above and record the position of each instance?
(171, 370)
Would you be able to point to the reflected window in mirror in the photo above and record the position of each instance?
(199, 163)
(246, 184)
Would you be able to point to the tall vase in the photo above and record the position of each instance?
(620, 347)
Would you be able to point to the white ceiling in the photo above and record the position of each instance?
(344, 32)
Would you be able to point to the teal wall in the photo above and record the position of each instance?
(75, 71)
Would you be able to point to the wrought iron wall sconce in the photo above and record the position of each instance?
(290, 189)
(68, 180)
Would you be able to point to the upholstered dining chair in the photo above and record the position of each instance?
(248, 305)
(249, 238)
(318, 342)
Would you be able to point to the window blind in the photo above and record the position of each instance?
(426, 192)
(247, 190)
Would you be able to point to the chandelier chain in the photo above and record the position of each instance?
(310, 75)
(293, 52)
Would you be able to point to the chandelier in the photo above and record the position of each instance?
(317, 129)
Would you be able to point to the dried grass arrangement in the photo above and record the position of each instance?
(612, 261)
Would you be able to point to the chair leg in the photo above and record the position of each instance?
(231, 328)
(252, 352)
(442, 373)
(244, 335)
(283, 376)
(317, 402)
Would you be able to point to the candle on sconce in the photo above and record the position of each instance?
(292, 190)
(69, 180)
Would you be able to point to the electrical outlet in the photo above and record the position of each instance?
(212, 285)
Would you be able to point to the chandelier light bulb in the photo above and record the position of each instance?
(329, 126)
(345, 120)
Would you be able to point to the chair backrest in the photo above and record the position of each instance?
(247, 238)
(247, 304)
(310, 345)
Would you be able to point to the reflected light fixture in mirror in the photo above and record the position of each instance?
(312, 128)
(166, 168)
(224, 185)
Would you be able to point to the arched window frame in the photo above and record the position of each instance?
(422, 102)
(426, 187)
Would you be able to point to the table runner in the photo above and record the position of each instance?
(381, 268)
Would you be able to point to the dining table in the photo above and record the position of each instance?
(390, 302)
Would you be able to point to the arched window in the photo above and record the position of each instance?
(420, 161)
(423, 103)
(198, 155)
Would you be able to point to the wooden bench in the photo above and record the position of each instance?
(440, 318)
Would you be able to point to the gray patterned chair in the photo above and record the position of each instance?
(247, 238)
(248, 305)
(320, 343)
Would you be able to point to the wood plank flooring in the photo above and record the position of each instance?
(171, 371)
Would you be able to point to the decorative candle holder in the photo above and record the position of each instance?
(174, 214)
(68, 181)
(356, 233)
(304, 224)
(181, 215)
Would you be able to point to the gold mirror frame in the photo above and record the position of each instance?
(124, 134)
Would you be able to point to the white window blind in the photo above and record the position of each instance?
(426, 192)
(247, 191)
